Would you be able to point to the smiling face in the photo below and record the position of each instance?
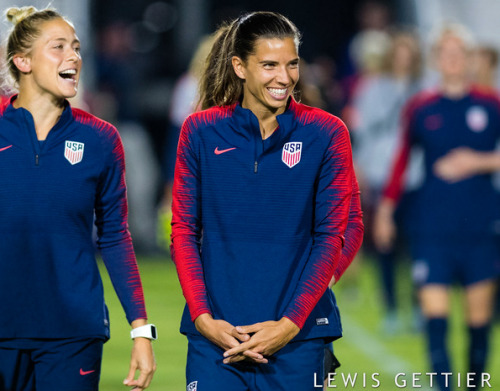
(270, 75)
(52, 67)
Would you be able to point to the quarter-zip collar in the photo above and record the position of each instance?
(24, 127)
(245, 121)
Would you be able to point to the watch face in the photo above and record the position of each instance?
(153, 332)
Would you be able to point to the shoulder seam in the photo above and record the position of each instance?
(211, 115)
(86, 118)
(308, 115)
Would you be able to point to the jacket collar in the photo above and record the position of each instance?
(65, 118)
(245, 119)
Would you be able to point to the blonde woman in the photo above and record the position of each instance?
(58, 168)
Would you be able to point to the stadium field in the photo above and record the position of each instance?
(370, 357)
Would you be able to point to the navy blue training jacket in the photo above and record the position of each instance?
(258, 225)
(50, 285)
(465, 210)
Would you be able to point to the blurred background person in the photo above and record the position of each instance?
(183, 102)
(373, 18)
(116, 101)
(457, 126)
(377, 107)
(484, 66)
(484, 74)
(321, 79)
(369, 53)
(307, 89)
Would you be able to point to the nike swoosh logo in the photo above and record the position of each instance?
(4, 148)
(219, 151)
(83, 373)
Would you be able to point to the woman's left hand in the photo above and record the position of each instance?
(142, 360)
(268, 337)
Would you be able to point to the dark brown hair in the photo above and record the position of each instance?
(219, 85)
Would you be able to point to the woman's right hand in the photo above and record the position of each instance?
(384, 227)
(225, 335)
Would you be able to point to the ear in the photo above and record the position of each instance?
(239, 67)
(22, 62)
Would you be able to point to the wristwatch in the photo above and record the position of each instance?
(147, 331)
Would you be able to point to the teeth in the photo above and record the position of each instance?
(278, 91)
(68, 72)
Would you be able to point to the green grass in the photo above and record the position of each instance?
(364, 349)
(164, 304)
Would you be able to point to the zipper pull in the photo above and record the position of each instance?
(255, 166)
(36, 159)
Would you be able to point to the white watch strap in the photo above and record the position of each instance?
(146, 331)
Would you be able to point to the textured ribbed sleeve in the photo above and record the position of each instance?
(353, 233)
(186, 225)
(396, 180)
(114, 240)
(333, 197)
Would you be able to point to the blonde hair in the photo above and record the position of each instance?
(369, 50)
(27, 21)
(16, 15)
(452, 29)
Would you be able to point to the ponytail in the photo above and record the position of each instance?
(219, 85)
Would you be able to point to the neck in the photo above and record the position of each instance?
(268, 126)
(455, 88)
(45, 111)
(267, 118)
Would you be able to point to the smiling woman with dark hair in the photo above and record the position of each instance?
(261, 197)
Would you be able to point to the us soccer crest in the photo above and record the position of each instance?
(193, 386)
(477, 118)
(291, 153)
(73, 151)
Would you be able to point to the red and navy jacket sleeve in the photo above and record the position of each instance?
(333, 197)
(395, 183)
(186, 224)
(353, 233)
(114, 240)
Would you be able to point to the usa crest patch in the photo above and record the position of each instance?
(292, 153)
(477, 118)
(73, 151)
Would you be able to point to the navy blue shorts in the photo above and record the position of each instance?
(296, 367)
(50, 364)
(446, 262)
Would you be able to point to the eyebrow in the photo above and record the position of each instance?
(76, 40)
(276, 62)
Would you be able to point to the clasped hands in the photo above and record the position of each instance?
(252, 343)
